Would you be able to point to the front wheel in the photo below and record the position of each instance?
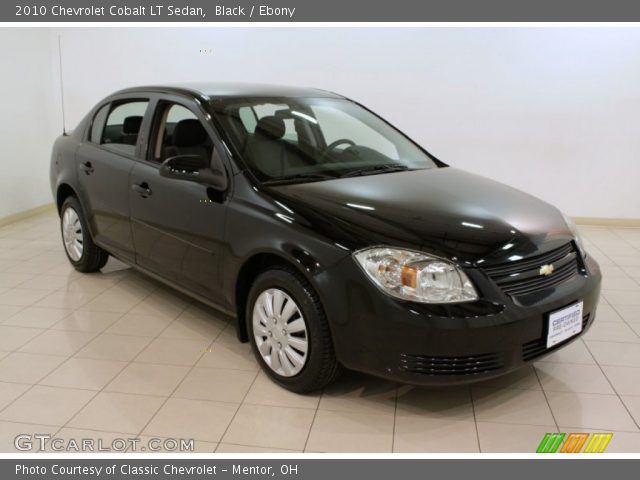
(289, 332)
(84, 255)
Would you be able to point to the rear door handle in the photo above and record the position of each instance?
(142, 189)
(87, 167)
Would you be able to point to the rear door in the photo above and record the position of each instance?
(104, 161)
(178, 225)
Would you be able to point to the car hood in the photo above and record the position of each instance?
(445, 211)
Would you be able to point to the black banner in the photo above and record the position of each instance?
(315, 469)
(319, 11)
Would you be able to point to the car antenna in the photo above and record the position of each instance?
(64, 128)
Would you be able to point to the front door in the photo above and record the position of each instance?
(178, 225)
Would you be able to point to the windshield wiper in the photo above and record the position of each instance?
(374, 169)
(298, 178)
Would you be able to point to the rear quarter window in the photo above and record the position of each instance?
(98, 124)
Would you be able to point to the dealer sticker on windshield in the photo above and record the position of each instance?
(564, 324)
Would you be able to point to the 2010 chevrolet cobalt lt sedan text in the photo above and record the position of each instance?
(333, 239)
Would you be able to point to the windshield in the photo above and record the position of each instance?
(289, 140)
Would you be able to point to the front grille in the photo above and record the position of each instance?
(535, 348)
(442, 366)
(522, 277)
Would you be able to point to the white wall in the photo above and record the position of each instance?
(553, 111)
(29, 117)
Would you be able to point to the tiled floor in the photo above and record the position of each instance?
(116, 355)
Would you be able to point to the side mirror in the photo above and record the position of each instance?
(193, 168)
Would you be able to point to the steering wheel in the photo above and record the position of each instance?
(332, 146)
(340, 141)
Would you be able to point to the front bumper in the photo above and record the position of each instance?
(434, 344)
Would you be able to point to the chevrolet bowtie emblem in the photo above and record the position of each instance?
(546, 269)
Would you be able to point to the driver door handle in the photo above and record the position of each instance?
(142, 189)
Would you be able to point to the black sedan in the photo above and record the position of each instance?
(332, 238)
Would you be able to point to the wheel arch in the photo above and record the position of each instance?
(63, 192)
(249, 271)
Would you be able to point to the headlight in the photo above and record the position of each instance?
(416, 276)
(576, 235)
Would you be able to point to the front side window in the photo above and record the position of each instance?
(178, 131)
(123, 125)
(292, 140)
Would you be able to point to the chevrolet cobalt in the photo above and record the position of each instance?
(333, 239)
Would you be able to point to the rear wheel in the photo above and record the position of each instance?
(289, 332)
(83, 254)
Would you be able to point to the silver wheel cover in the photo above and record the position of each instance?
(280, 332)
(72, 234)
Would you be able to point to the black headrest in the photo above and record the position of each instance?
(271, 126)
(132, 124)
(188, 133)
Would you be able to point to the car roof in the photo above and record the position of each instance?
(213, 90)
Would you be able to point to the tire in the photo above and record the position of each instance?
(320, 366)
(83, 254)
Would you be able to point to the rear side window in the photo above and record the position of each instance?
(123, 125)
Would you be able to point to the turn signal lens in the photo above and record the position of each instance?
(416, 276)
(409, 277)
